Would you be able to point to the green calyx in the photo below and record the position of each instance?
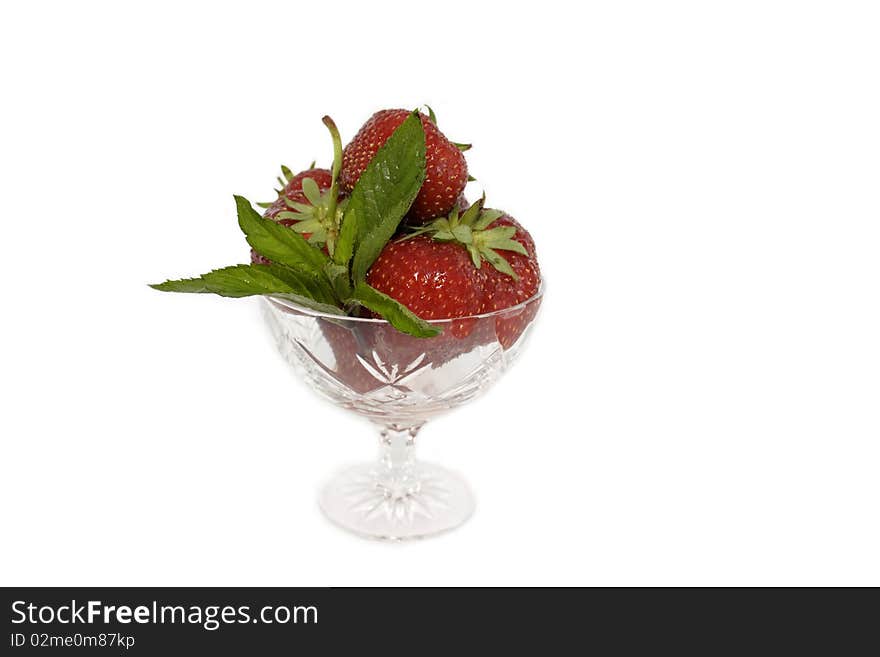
(471, 230)
(321, 215)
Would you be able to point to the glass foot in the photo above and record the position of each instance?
(397, 498)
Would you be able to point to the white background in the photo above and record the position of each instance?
(698, 405)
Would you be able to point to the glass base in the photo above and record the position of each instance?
(363, 500)
(397, 498)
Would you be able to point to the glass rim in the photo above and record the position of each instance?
(371, 320)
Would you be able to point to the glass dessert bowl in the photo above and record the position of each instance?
(399, 382)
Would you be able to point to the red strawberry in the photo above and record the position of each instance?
(445, 167)
(349, 349)
(504, 291)
(436, 280)
(512, 278)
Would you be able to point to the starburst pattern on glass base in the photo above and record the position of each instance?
(395, 505)
(399, 498)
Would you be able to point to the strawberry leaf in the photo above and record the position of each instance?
(499, 262)
(398, 315)
(475, 255)
(463, 233)
(311, 191)
(473, 212)
(381, 197)
(486, 218)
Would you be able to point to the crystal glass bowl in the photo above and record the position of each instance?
(398, 382)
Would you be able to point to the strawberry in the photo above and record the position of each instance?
(349, 348)
(505, 291)
(306, 204)
(436, 280)
(513, 278)
(446, 171)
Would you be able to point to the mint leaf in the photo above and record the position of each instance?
(234, 281)
(398, 315)
(338, 276)
(191, 285)
(250, 280)
(382, 195)
(276, 241)
(306, 282)
(306, 302)
(347, 236)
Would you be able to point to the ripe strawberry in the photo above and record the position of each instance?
(504, 291)
(436, 280)
(446, 171)
(348, 347)
(513, 277)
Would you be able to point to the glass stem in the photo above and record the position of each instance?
(397, 472)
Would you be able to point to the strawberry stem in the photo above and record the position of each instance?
(334, 185)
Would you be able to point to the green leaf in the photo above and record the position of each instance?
(382, 196)
(275, 241)
(499, 232)
(311, 304)
(288, 174)
(499, 262)
(398, 315)
(296, 205)
(306, 282)
(338, 276)
(347, 236)
(475, 255)
(245, 280)
(473, 212)
(486, 219)
(463, 234)
(235, 281)
(311, 191)
(252, 280)
(307, 226)
(507, 245)
(191, 285)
